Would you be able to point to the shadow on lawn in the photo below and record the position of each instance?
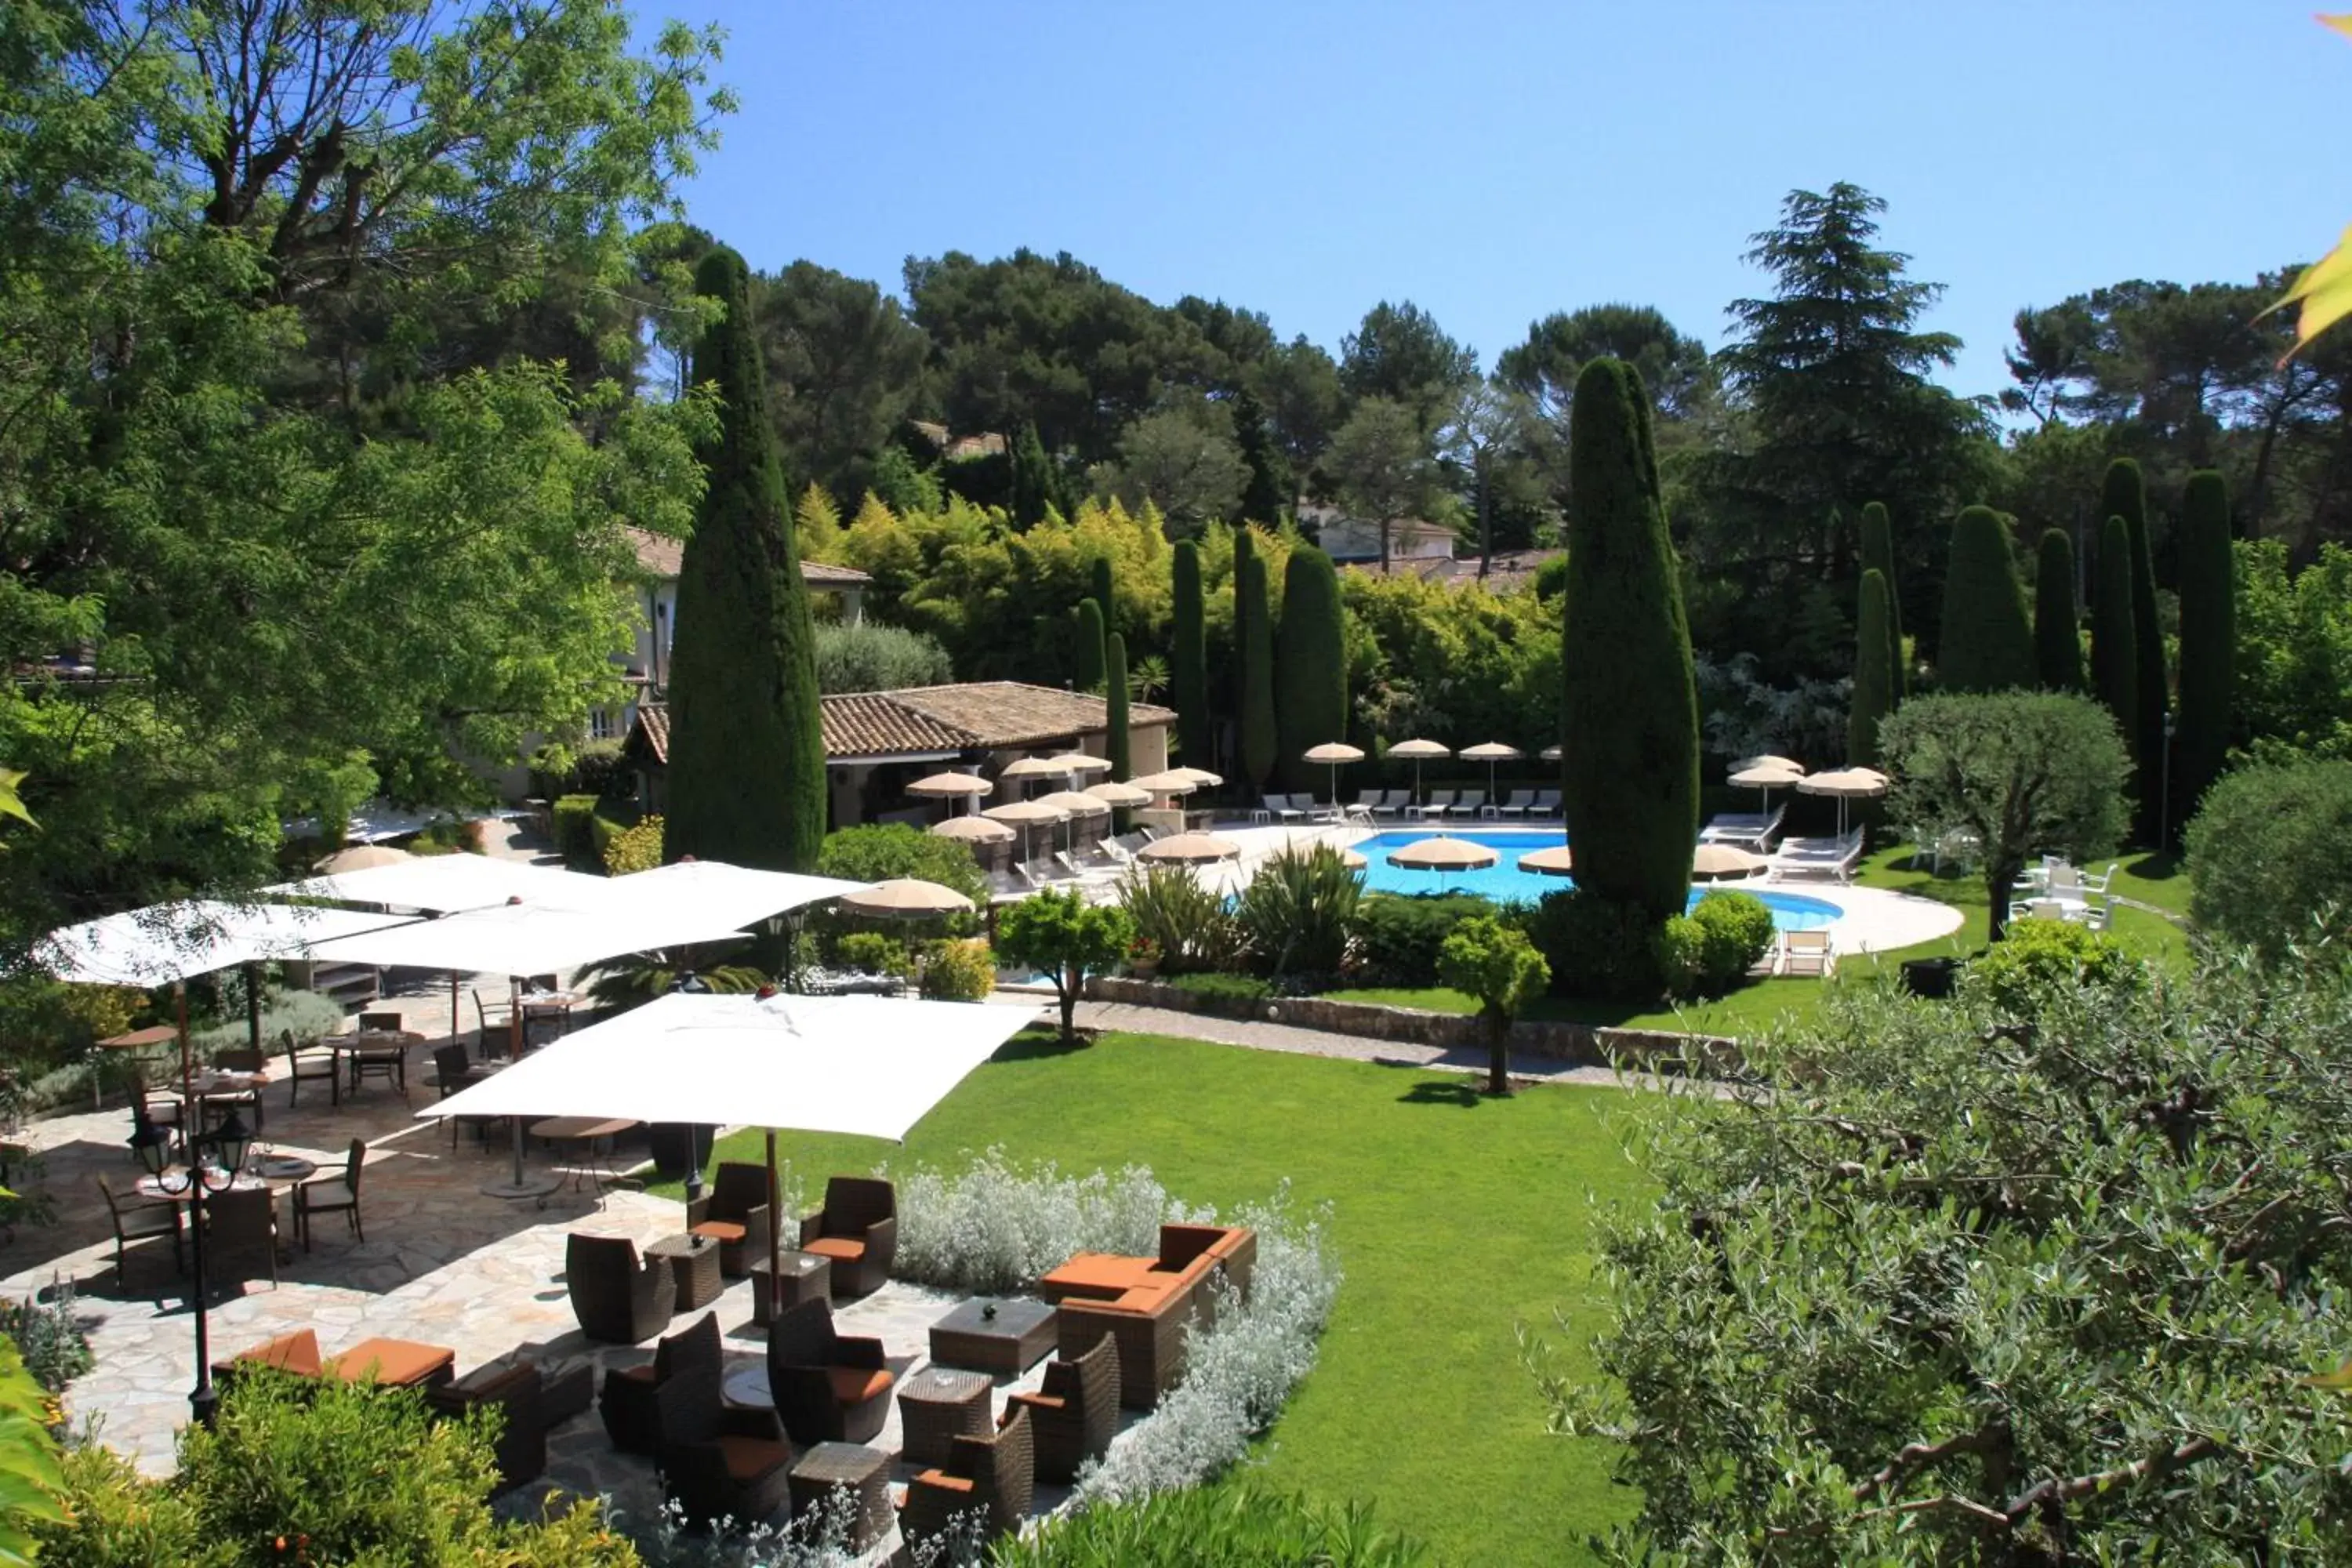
(1461, 1095)
(1040, 1045)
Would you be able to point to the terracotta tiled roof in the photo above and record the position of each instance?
(660, 557)
(986, 715)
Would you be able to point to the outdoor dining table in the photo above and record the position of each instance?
(546, 1007)
(276, 1173)
(137, 1040)
(586, 1132)
(351, 1050)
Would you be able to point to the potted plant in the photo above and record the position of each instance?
(1144, 958)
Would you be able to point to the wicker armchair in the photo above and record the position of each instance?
(616, 1297)
(996, 1476)
(1075, 1414)
(734, 1213)
(857, 1229)
(519, 1391)
(718, 1461)
(633, 1395)
(828, 1387)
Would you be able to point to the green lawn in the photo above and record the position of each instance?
(2150, 878)
(1455, 1217)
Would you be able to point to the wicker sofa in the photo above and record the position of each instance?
(1146, 1303)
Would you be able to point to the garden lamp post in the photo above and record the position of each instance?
(152, 1144)
(2164, 791)
(692, 984)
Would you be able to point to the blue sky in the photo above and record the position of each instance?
(1495, 161)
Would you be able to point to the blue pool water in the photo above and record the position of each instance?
(1505, 883)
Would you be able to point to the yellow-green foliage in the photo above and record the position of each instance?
(637, 848)
(1460, 663)
(958, 971)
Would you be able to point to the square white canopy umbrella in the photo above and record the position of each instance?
(867, 1065)
(737, 895)
(444, 883)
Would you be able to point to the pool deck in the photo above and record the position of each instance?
(1872, 919)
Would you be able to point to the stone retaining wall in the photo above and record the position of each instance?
(1584, 1045)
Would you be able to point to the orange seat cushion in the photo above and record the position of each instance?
(296, 1352)
(1040, 1402)
(856, 1384)
(1098, 1274)
(749, 1458)
(396, 1362)
(717, 1230)
(634, 1373)
(944, 1481)
(840, 1247)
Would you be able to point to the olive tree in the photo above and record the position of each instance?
(1067, 938)
(2023, 772)
(1495, 962)
(2028, 1279)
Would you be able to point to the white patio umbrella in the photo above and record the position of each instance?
(1334, 753)
(444, 883)
(1845, 784)
(868, 1066)
(1766, 776)
(1549, 753)
(1723, 862)
(1026, 815)
(719, 893)
(966, 787)
(1490, 753)
(1554, 860)
(1190, 849)
(1417, 752)
(1767, 760)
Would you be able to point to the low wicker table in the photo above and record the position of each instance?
(864, 1471)
(1005, 1335)
(937, 1406)
(694, 1263)
(804, 1277)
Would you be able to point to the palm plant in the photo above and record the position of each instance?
(1147, 678)
(1299, 910)
(637, 978)
(1181, 916)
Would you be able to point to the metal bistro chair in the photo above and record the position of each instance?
(137, 1221)
(243, 1099)
(497, 1025)
(310, 1067)
(239, 1223)
(330, 1190)
(388, 1061)
(453, 1069)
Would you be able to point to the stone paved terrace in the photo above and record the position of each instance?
(442, 1263)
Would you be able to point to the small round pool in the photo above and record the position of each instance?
(1505, 883)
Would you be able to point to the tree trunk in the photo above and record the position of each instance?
(1485, 523)
(1384, 546)
(2000, 883)
(1498, 1054)
(1071, 981)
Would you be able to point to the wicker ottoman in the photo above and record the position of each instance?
(937, 1406)
(694, 1263)
(864, 1471)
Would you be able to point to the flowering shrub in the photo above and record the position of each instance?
(961, 971)
(637, 848)
(818, 1539)
(49, 1335)
(995, 1227)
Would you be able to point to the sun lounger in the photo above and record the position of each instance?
(2100, 883)
(1521, 799)
(1547, 803)
(1278, 806)
(1471, 799)
(1439, 802)
(1391, 804)
(1368, 802)
(1746, 829)
(1007, 885)
(1835, 858)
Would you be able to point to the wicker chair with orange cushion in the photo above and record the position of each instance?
(616, 1295)
(995, 1476)
(633, 1395)
(1075, 1414)
(720, 1461)
(734, 1214)
(857, 1229)
(1147, 1303)
(829, 1387)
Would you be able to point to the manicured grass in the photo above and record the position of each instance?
(1457, 1218)
(2152, 879)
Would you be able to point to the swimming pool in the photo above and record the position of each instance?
(1505, 883)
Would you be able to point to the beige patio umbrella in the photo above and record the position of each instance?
(1845, 784)
(1026, 815)
(1443, 854)
(1175, 781)
(1554, 860)
(1080, 762)
(1074, 804)
(1766, 774)
(1202, 777)
(1723, 862)
(906, 896)
(1353, 861)
(1549, 753)
(1417, 752)
(1030, 768)
(1190, 849)
(1490, 753)
(1766, 760)
(1113, 794)
(966, 787)
(1334, 753)
(973, 830)
(362, 858)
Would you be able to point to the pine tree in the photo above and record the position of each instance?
(1036, 486)
(1254, 632)
(1188, 677)
(746, 754)
(1088, 661)
(1872, 700)
(1628, 703)
(2122, 495)
(1876, 552)
(2114, 646)
(1986, 644)
(1310, 664)
(1272, 486)
(2057, 630)
(1115, 731)
(2208, 642)
(1105, 594)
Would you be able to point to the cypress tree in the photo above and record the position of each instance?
(2209, 641)
(1188, 678)
(1105, 594)
(746, 753)
(1310, 665)
(1986, 644)
(1034, 483)
(2122, 495)
(2057, 631)
(1629, 705)
(1872, 700)
(1254, 612)
(1086, 659)
(1876, 552)
(1114, 735)
(1268, 497)
(2114, 646)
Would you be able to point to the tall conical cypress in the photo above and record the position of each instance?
(1310, 664)
(1088, 658)
(1872, 700)
(2057, 631)
(1188, 675)
(1105, 593)
(2208, 642)
(1987, 645)
(1628, 704)
(1033, 485)
(2114, 646)
(1254, 611)
(1115, 735)
(746, 750)
(2122, 495)
(1876, 553)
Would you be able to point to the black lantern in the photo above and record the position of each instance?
(233, 1140)
(152, 1144)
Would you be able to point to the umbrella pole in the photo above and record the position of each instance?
(253, 1006)
(514, 1020)
(187, 1069)
(454, 1032)
(775, 1222)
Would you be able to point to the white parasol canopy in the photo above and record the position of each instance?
(714, 890)
(165, 942)
(529, 939)
(1767, 760)
(1765, 774)
(1549, 753)
(1031, 768)
(444, 883)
